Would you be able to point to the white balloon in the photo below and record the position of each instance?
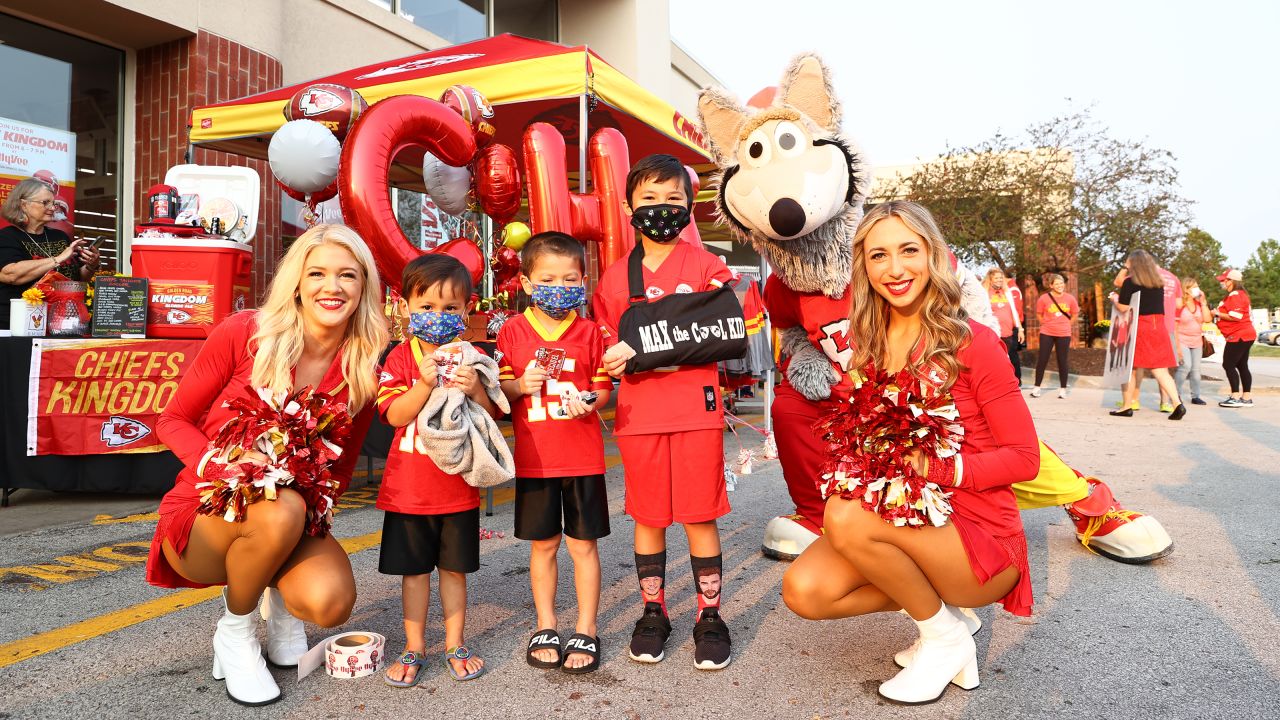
(447, 185)
(304, 155)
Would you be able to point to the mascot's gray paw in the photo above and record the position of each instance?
(812, 374)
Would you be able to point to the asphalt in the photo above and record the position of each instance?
(1194, 635)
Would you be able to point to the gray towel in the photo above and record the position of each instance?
(459, 436)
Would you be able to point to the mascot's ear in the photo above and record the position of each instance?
(806, 86)
(722, 119)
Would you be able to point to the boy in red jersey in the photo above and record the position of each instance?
(432, 517)
(669, 423)
(548, 356)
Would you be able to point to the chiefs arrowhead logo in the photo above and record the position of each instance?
(177, 317)
(318, 101)
(385, 377)
(653, 292)
(117, 431)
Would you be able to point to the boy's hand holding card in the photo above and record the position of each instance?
(551, 360)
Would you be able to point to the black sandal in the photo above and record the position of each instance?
(582, 645)
(544, 640)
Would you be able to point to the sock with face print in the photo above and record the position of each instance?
(652, 572)
(707, 577)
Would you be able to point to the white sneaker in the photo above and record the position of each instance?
(1035, 392)
(1062, 393)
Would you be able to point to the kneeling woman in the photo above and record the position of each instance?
(321, 327)
(906, 320)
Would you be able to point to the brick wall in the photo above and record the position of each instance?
(177, 76)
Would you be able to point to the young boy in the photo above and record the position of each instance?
(432, 518)
(669, 421)
(549, 356)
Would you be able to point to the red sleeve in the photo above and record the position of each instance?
(600, 379)
(1042, 305)
(1075, 306)
(393, 377)
(1016, 457)
(351, 453)
(209, 375)
(505, 371)
(606, 315)
(1235, 306)
(779, 303)
(717, 273)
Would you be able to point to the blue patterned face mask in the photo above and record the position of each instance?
(436, 328)
(557, 300)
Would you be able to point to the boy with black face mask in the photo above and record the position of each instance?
(669, 422)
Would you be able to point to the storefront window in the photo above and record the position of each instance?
(60, 115)
(457, 21)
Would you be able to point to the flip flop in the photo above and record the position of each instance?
(461, 653)
(409, 658)
(583, 645)
(544, 640)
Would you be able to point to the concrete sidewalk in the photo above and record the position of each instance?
(1213, 383)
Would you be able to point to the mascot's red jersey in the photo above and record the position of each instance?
(547, 444)
(824, 319)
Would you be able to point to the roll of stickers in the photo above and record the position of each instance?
(346, 655)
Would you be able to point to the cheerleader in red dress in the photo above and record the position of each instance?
(906, 320)
(321, 327)
(1153, 348)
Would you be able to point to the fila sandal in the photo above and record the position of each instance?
(583, 645)
(547, 639)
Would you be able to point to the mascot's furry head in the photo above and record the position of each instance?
(789, 182)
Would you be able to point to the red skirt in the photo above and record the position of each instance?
(177, 515)
(1154, 346)
(989, 556)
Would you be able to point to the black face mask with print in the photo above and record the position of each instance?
(660, 223)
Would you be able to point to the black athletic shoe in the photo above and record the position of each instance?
(649, 639)
(1198, 401)
(710, 641)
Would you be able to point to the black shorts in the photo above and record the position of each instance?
(417, 544)
(581, 500)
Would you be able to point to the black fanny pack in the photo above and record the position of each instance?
(681, 328)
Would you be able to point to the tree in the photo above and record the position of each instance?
(1262, 276)
(1200, 256)
(1061, 196)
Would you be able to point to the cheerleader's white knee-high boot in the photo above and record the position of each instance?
(286, 635)
(946, 655)
(237, 658)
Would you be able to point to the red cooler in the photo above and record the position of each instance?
(193, 283)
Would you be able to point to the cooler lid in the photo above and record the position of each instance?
(240, 184)
(179, 243)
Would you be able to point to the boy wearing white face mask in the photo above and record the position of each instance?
(549, 357)
(1192, 314)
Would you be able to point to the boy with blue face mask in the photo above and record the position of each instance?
(549, 357)
(432, 517)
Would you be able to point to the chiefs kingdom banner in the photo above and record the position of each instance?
(94, 397)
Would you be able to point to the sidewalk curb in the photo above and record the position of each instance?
(1210, 385)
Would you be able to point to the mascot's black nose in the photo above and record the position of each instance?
(786, 217)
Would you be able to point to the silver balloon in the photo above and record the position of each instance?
(304, 155)
(447, 185)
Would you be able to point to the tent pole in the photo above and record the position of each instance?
(582, 121)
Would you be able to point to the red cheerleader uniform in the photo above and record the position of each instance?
(1000, 448)
(219, 373)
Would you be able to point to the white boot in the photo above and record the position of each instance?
(946, 655)
(286, 635)
(969, 617)
(237, 658)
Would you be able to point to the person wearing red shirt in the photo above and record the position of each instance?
(321, 327)
(432, 517)
(548, 356)
(1234, 317)
(1056, 309)
(906, 318)
(669, 422)
(1008, 311)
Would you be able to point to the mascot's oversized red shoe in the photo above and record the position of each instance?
(1103, 526)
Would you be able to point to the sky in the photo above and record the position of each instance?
(1199, 79)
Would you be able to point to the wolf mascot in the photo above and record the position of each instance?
(791, 185)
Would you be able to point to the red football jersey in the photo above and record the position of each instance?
(666, 400)
(547, 444)
(824, 319)
(411, 481)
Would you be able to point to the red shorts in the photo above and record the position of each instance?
(674, 477)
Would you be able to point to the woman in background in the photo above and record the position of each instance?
(1056, 310)
(1154, 346)
(1234, 316)
(1192, 314)
(1009, 314)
